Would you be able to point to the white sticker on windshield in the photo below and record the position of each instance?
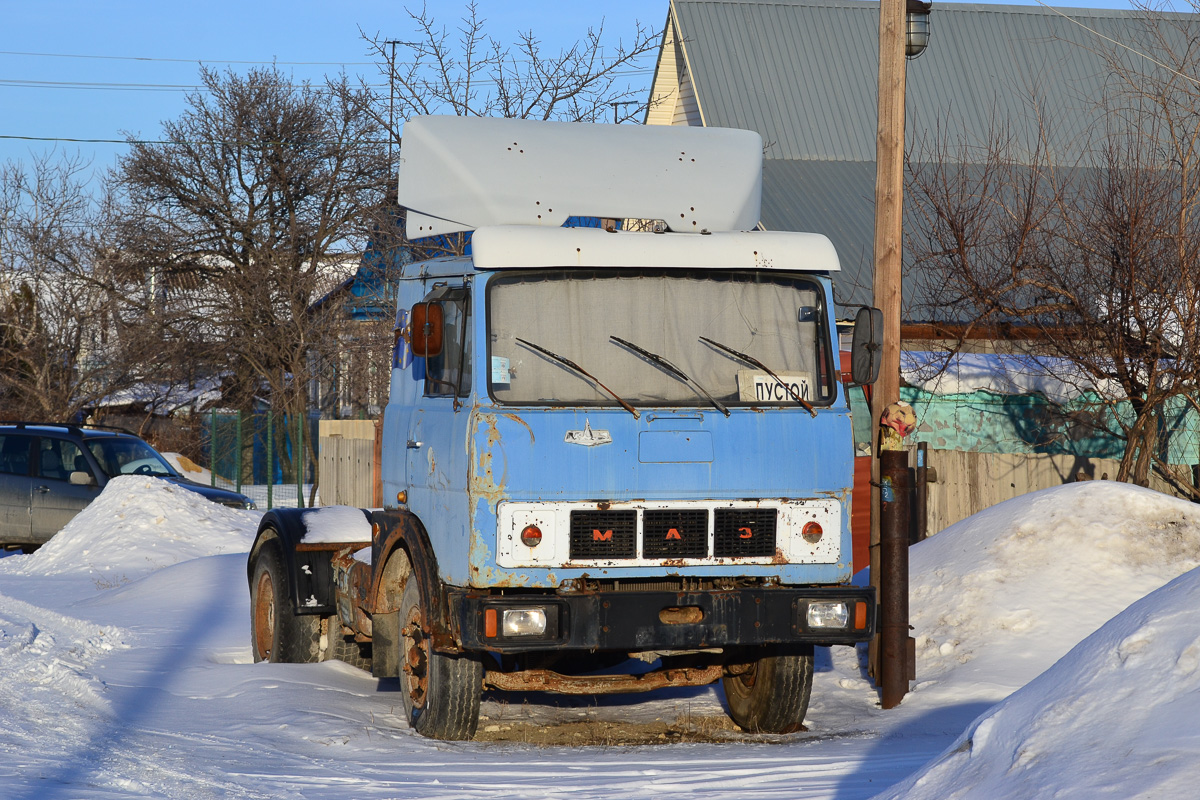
(500, 371)
(759, 387)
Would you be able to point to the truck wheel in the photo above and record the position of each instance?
(770, 694)
(346, 649)
(276, 633)
(441, 692)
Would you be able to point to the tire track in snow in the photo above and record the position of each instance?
(48, 698)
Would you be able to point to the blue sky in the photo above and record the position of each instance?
(35, 103)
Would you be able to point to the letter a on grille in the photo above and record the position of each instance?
(672, 534)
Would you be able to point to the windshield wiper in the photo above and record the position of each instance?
(749, 359)
(572, 365)
(674, 370)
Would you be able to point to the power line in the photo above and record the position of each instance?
(194, 60)
(1111, 40)
(13, 137)
(21, 83)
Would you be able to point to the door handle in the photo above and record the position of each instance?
(42, 489)
(414, 445)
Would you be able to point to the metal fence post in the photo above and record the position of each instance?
(237, 439)
(270, 459)
(212, 448)
(299, 461)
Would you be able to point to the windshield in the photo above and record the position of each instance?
(121, 456)
(778, 319)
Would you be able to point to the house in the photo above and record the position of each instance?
(804, 73)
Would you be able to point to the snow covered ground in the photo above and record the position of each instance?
(126, 673)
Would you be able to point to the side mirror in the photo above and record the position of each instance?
(426, 324)
(866, 351)
(80, 478)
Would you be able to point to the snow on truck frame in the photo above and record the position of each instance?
(599, 445)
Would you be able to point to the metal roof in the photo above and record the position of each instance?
(803, 73)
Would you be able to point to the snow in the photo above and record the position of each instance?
(1057, 656)
(336, 524)
(1058, 379)
(137, 525)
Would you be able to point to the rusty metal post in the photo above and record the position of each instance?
(893, 579)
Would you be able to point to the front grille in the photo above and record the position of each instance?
(675, 533)
(603, 534)
(744, 532)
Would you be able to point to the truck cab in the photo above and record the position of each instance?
(616, 430)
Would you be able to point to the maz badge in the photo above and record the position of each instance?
(588, 437)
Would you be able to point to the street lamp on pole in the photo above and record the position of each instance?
(903, 32)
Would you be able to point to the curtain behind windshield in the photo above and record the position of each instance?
(778, 319)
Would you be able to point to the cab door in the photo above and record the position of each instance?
(436, 464)
(55, 499)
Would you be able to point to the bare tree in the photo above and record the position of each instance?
(258, 203)
(1099, 255)
(470, 73)
(63, 348)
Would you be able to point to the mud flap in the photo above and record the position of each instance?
(385, 645)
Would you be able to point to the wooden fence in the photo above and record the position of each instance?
(970, 482)
(349, 463)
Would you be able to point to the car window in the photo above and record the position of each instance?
(14, 454)
(58, 458)
(127, 456)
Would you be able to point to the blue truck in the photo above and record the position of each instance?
(617, 453)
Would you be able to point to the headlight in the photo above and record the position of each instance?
(828, 615)
(523, 622)
(519, 621)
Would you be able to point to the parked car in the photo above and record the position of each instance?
(50, 472)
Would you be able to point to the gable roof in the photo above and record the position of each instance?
(803, 74)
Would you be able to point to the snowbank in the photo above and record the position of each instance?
(1117, 717)
(139, 524)
(999, 597)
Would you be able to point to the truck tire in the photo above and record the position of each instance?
(346, 649)
(771, 694)
(441, 692)
(276, 633)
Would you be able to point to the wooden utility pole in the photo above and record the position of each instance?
(889, 213)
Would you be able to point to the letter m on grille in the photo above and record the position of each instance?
(603, 533)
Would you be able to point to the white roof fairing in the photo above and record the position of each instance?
(516, 246)
(462, 173)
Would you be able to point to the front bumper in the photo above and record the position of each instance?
(663, 620)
